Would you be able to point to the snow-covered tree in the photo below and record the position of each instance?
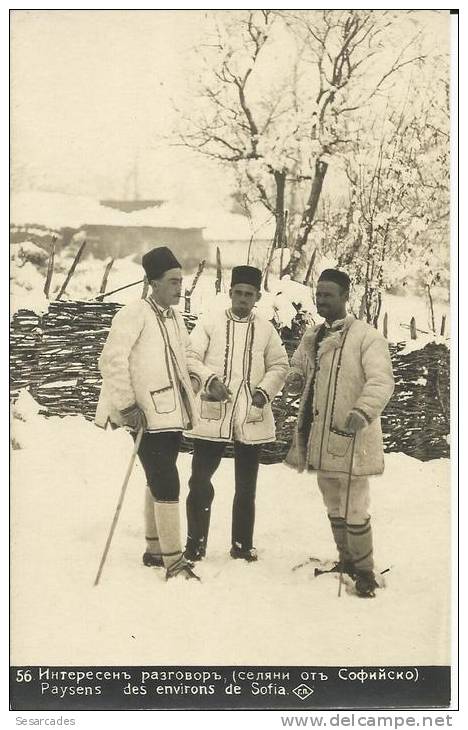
(282, 94)
(394, 227)
(242, 117)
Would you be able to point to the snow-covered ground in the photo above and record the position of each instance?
(67, 476)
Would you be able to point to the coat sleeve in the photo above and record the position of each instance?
(298, 360)
(197, 346)
(114, 362)
(276, 366)
(379, 383)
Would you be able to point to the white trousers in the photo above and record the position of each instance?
(353, 537)
(333, 489)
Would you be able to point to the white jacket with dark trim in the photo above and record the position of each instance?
(353, 371)
(245, 354)
(144, 362)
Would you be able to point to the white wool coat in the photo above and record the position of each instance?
(245, 355)
(353, 371)
(144, 362)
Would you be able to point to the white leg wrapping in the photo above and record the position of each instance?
(151, 530)
(168, 524)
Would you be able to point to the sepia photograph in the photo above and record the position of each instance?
(230, 338)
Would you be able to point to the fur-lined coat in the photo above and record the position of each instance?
(352, 371)
(246, 355)
(144, 362)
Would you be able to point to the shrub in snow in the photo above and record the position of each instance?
(27, 251)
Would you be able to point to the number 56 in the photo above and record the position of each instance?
(23, 675)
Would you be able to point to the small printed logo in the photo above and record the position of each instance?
(303, 691)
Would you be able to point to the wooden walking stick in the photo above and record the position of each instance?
(119, 504)
(348, 489)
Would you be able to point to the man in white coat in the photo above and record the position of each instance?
(344, 371)
(241, 365)
(146, 385)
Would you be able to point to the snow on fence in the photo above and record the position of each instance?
(55, 355)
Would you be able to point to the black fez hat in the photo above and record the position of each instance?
(246, 275)
(157, 261)
(339, 277)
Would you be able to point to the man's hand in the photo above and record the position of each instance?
(355, 422)
(259, 399)
(294, 383)
(134, 418)
(218, 390)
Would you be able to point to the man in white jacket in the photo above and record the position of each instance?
(146, 385)
(344, 371)
(241, 364)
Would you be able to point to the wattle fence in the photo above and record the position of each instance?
(55, 356)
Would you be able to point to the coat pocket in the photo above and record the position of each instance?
(255, 415)
(210, 410)
(338, 443)
(164, 399)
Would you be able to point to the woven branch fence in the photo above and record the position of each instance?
(55, 356)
